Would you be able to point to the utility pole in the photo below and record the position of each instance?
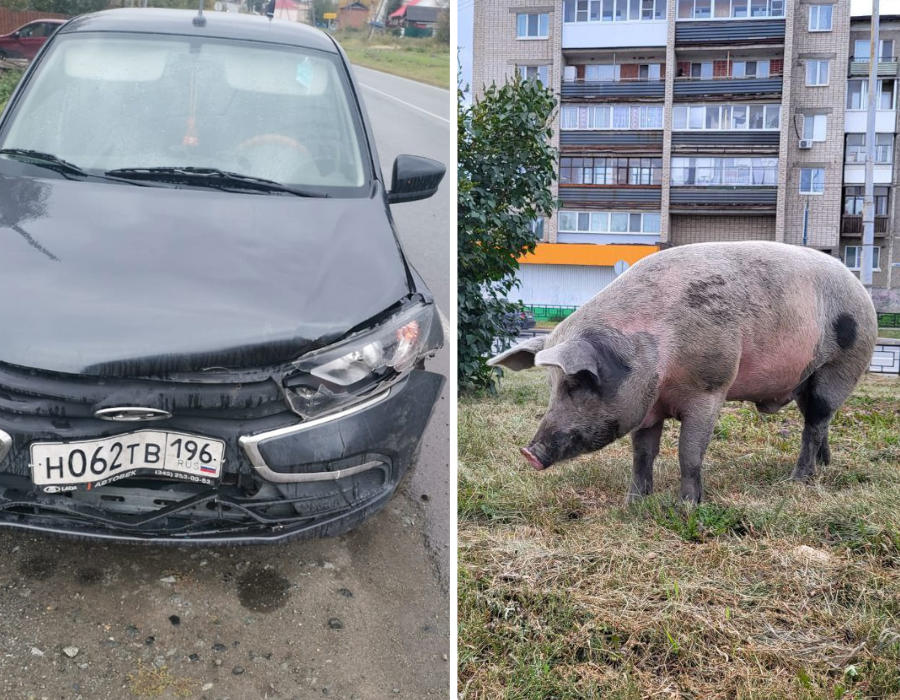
(868, 244)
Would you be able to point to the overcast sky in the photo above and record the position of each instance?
(465, 10)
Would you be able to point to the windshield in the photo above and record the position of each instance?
(105, 102)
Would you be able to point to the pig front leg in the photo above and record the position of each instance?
(697, 425)
(645, 446)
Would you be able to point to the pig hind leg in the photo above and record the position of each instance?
(645, 446)
(818, 398)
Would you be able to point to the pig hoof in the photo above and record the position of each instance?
(802, 477)
(690, 497)
(531, 459)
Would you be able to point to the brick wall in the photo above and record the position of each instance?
(824, 209)
(10, 20)
(689, 228)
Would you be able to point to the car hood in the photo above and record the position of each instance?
(119, 280)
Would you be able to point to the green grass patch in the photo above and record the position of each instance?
(8, 81)
(768, 589)
(889, 333)
(424, 59)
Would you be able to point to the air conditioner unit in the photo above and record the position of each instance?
(805, 144)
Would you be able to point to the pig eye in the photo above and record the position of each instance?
(580, 383)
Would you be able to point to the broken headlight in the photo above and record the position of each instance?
(338, 376)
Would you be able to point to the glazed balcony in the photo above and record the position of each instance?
(587, 90)
(730, 32)
(727, 87)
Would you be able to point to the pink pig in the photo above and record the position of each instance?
(688, 328)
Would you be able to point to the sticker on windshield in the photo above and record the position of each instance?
(304, 73)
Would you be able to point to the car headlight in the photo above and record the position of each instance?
(339, 375)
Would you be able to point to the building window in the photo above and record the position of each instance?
(733, 117)
(538, 73)
(604, 72)
(608, 222)
(817, 72)
(702, 71)
(536, 26)
(858, 92)
(725, 9)
(606, 117)
(854, 197)
(855, 150)
(812, 180)
(853, 257)
(613, 10)
(861, 50)
(750, 69)
(725, 172)
(820, 18)
(610, 171)
(537, 227)
(815, 127)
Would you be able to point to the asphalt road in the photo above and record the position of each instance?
(362, 616)
(413, 118)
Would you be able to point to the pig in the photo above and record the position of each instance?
(688, 328)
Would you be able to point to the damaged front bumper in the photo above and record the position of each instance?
(316, 478)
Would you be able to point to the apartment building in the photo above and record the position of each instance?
(886, 275)
(680, 121)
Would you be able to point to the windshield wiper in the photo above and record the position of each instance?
(47, 160)
(211, 177)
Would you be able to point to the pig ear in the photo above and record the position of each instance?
(520, 356)
(571, 356)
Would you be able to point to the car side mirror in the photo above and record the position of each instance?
(415, 178)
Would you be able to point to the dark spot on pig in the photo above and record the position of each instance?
(845, 330)
(812, 404)
(713, 371)
(708, 295)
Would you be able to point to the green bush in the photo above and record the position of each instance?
(506, 169)
(8, 81)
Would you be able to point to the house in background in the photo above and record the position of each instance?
(417, 18)
(353, 15)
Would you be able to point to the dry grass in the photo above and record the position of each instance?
(767, 590)
(424, 60)
(149, 681)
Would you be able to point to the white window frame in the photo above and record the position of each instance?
(591, 217)
(864, 95)
(593, 11)
(726, 116)
(857, 252)
(750, 170)
(607, 117)
(815, 18)
(812, 181)
(815, 127)
(815, 64)
(543, 18)
(523, 71)
(737, 9)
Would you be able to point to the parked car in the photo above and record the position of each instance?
(210, 330)
(518, 321)
(28, 39)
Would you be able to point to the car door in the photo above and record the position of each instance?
(31, 37)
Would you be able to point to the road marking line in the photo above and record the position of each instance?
(444, 323)
(430, 114)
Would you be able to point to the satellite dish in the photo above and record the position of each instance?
(620, 267)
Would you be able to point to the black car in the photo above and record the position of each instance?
(208, 328)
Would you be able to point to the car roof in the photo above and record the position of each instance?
(221, 25)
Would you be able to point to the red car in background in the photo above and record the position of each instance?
(28, 39)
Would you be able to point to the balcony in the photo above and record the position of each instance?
(727, 87)
(611, 35)
(887, 67)
(723, 200)
(853, 225)
(638, 142)
(729, 32)
(586, 90)
(711, 142)
(616, 196)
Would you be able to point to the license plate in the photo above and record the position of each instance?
(67, 466)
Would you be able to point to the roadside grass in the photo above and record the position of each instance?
(889, 333)
(768, 590)
(423, 59)
(8, 81)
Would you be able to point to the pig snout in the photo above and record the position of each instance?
(532, 459)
